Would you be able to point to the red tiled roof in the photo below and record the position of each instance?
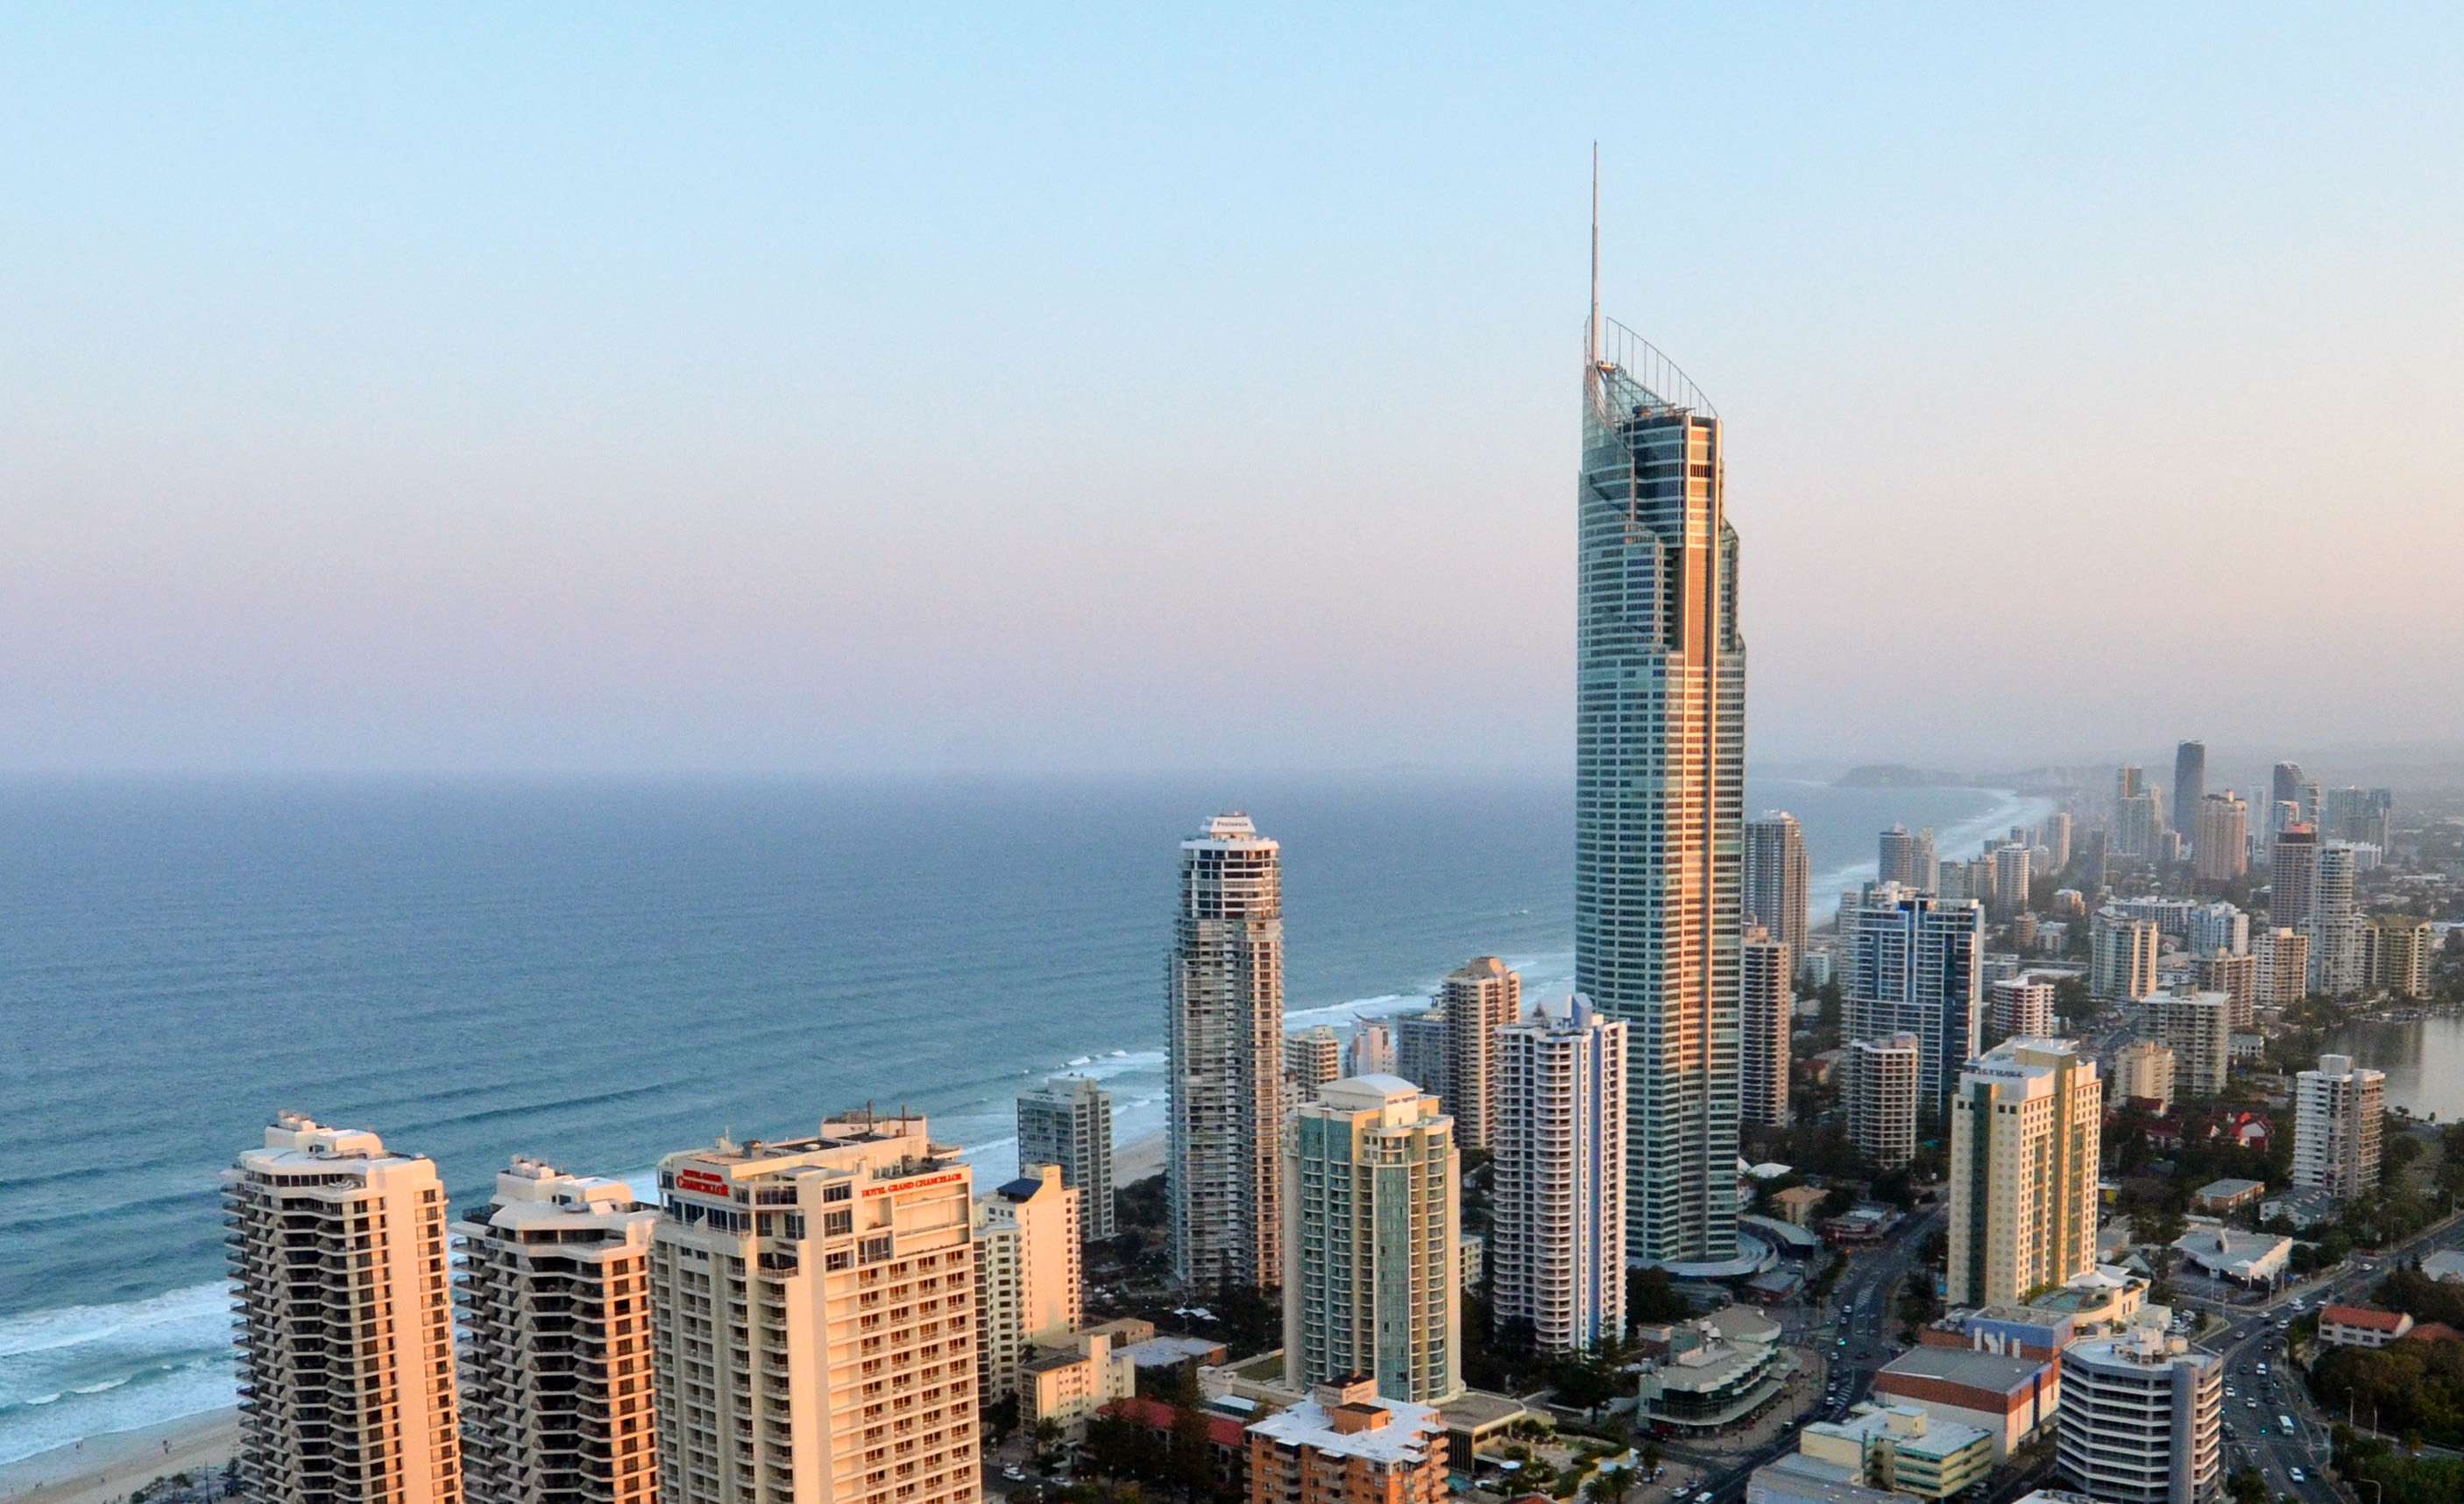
(2367, 1318)
(1157, 1416)
(2434, 1331)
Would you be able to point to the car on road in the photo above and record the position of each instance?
(1015, 1474)
(2294, 1473)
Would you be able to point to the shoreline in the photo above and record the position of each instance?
(107, 1467)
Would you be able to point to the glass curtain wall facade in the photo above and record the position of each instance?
(1659, 783)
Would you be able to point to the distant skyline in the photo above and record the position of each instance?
(485, 391)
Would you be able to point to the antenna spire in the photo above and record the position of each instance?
(1594, 329)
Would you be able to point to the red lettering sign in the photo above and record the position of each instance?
(702, 1180)
(916, 1184)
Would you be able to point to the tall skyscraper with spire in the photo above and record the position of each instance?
(1660, 779)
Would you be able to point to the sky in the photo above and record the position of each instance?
(834, 390)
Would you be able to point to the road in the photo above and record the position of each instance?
(1864, 1313)
(2255, 1402)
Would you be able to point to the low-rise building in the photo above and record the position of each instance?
(1068, 1383)
(1901, 1449)
(2361, 1326)
(1798, 1480)
(2301, 1207)
(1798, 1203)
(2228, 1194)
(1227, 1442)
(2248, 1258)
(2008, 1397)
(1343, 1444)
(1715, 1382)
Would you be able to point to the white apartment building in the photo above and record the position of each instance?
(1885, 1080)
(2141, 1420)
(2011, 879)
(2339, 1113)
(1556, 1245)
(1776, 878)
(1030, 1285)
(2121, 965)
(1068, 1122)
(2026, 1134)
(1224, 1170)
(2336, 924)
(2144, 1069)
(2216, 926)
(345, 1320)
(813, 1314)
(2022, 1007)
(2198, 1027)
(1372, 1276)
(559, 1405)
(1766, 1016)
(1478, 998)
(1312, 1058)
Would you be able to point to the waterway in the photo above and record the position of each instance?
(2423, 1058)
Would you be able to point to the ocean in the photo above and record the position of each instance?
(598, 972)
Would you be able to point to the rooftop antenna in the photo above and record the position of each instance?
(1595, 328)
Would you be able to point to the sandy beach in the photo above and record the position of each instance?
(108, 1468)
(1137, 1159)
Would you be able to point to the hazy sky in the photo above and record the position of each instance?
(663, 388)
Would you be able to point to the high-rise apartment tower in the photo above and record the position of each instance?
(1556, 1242)
(1224, 1172)
(345, 1322)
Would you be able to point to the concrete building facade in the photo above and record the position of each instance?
(1479, 998)
(1885, 1081)
(558, 1402)
(2198, 1028)
(1067, 1121)
(2026, 1136)
(1371, 1281)
(1224, 1170)
(345, 1320)
(813, 1315)
(1766, 1019)
(1776, 878)
(1556, 1245)
(2141, 1420)
(1031, 1281)
(2338, 1116)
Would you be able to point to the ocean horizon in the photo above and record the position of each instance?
(599, 971)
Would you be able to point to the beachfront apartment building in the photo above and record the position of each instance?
(1030, 1280)
(1776, 878)
(1556, 1244)
(1373, 1279)
(1224, 1174)
(345, 1313)
(1067, 1121)
(1312, 1058)
(1478, 998)
(559, 1405)
(2025, 1135)
(813, 1317)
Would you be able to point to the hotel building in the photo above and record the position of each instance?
(813, 1314)
(345, 1320)
(1069, 1123)
(557, 1402)
(1371, 1281)
(1556, 1245)
(2026, 1133)
(1224, 1172)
